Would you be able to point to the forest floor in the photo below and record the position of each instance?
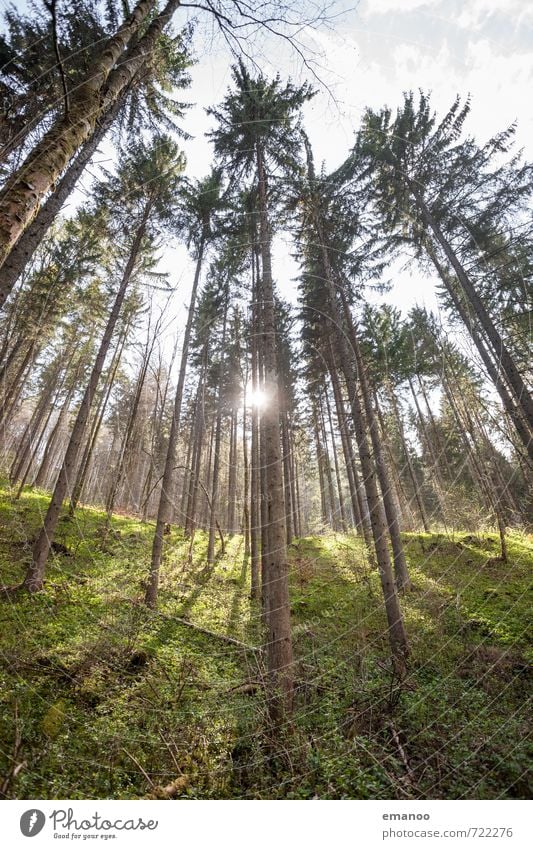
(102, 698)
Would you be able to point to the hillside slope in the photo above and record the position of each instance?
(102, 698)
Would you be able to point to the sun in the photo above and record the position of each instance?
(256, 398)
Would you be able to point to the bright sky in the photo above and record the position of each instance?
(371, 56)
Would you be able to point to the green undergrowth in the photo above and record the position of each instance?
(101, 697)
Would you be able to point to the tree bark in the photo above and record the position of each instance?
(216, 447)
(336, 463)
(167, 486)
(502, 356)
(396, 630)
(279, 641)
(35, 575)
(524, 434)
(412, 475)
(77, 489)
(25, 247)
(400, 564)
(23, 192)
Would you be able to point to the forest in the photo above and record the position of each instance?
(255, 544)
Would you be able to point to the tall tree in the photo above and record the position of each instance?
(258, 129)
(143, 191)
(200, 203)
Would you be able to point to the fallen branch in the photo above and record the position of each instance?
(251, 687)
(403, 756)
(231, 640)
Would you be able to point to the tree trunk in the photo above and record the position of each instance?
(294, 484)
(16, 386)
(279, 641)
(425, 438)
(232, 473)
(524, 433)
(286, 475)
(412, 475)
(167, 486)
(360, 517)
(23, 192)
(326, 518)
(255, 476)
(246, 483)
(77, 489)
(501, 354)
(336, 463)
(396, 629)
(35, 576)
(24, 249)
(334, 523)
(402, 499)
(216, 449)
(400, 564)
(118, 472)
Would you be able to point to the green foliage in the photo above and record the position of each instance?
(104, 692)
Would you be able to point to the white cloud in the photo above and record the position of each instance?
(383, 7)
(476, 13)
(365, 76)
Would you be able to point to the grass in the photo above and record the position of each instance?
(102, 698)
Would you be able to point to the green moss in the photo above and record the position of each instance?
(94, 684)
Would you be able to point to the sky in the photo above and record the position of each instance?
(369, 56)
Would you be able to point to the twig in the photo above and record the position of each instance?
(402, 754)
(138, 765)
(51, 6)
(231, 640)
(15, 767)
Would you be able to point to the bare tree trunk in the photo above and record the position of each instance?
(438, 484)
(502, 356)
(361, 522)
(16, 386)
(336, 463)
(246, 483)
(412, 475)
(199, 422)
(400, 564)
(279, 641)
(301, 526)
(77, 489)
(43, 411)
(293, 483)
(118, 472)
(397, 635)
(208, 463)
(218, 439)
(46, 462)
(35, 575)
(232, 473)
(26, 444)
(286, 475)
(167, 486)
(402, 499)
(326, 517)
(327, 466)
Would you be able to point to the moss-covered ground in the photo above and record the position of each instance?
(100, 697)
